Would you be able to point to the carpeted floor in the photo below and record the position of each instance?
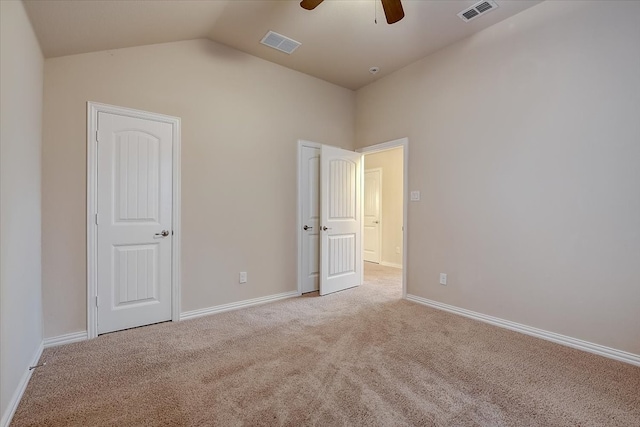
(357, 357)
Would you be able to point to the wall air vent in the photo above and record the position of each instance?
(477, 9)
(280, 42)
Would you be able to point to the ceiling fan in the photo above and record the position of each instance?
(392, 8)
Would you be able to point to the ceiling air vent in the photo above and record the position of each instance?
(280, 42)
(477, 9)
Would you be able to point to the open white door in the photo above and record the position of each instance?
(340, 219)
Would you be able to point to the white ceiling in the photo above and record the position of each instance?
(340, 40)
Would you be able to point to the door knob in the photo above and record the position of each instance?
(376, 222)
(163, 233)
(306, 227)
(325, 228)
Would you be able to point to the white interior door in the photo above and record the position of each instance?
(340, 219)
(134, 222)
(372, 217)
(310, 220)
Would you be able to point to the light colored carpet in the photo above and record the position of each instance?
(357, 357)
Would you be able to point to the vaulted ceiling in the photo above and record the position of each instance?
(340, 39)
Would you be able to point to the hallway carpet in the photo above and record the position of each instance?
(360, 357)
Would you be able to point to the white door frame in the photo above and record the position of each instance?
(379, 170)
(93, 108)
(299, 225)
(404, 143)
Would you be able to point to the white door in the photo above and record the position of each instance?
(340, 219)
(372, 228)
(310, 201)
(134, 222)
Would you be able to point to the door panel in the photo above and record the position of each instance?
(134, 207)
(372, 227)
(136, 271)
(342, 254)
(341, 215)
(136, 172)
(310, 199)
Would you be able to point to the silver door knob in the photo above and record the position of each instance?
(306, 227)
(325, 228)
(163, 233)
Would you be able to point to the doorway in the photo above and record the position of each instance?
(384, 202)
(133, 218)
(392, 159)
(309, 217)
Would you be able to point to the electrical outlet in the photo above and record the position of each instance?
(443, 279)
(397, 249)
(243, 277)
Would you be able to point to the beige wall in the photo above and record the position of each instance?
(390, 162)
(525, 144)
(241, 118)
(21, 69)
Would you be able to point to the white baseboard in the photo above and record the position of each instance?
(236, 305)
(22, 385)
(65, 339)
(390, 264)
(590, 347)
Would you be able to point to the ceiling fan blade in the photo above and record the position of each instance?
(392, 10)
(310, 4)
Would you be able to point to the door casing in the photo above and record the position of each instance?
(93, 108)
